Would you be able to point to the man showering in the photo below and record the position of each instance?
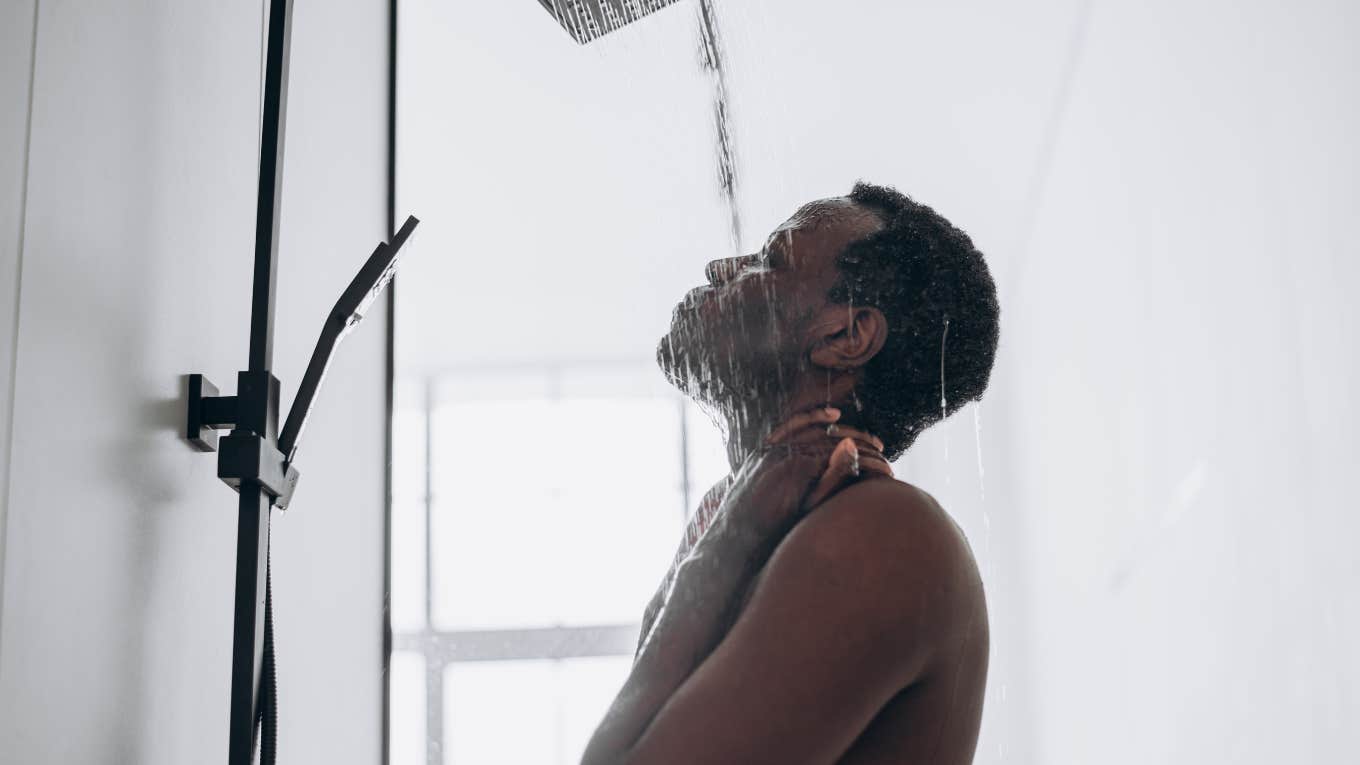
(819, 610)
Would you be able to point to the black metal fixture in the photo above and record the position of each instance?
(256, 459)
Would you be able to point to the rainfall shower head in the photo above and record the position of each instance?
(586, 20)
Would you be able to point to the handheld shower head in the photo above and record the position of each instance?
(586, 20)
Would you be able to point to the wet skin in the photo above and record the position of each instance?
(827, 613)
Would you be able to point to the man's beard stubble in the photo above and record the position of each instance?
(733, 379)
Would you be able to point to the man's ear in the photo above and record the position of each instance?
(847, 337)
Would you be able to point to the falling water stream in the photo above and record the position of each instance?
(944, 404)
(712, 61)
(977, 440)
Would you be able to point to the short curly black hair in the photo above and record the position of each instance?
(933, 286)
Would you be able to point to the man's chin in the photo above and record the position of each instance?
(684, 366)
(670, 358)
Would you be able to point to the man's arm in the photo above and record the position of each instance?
(853, 605)
(694, 529)
(658, 600)
(649, 614)
(684, 632)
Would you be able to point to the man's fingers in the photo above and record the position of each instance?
(836, 429)
(842, 467)
(846, 464)
(870, 448)
(827, 417)
(874, 464)
(797, 422)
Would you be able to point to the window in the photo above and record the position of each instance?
(535, 510)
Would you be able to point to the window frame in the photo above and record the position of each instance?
(440, 649)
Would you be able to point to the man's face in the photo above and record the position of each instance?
(746, 333)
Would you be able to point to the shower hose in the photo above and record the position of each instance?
(267, 712)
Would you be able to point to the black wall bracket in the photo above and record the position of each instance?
(250, 452)
(208, 413)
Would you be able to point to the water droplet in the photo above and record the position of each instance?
(944, 404)
(977, 436)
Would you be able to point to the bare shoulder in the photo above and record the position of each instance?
(884, 516)
(901, 547)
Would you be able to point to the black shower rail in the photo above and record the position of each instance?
(254, 458)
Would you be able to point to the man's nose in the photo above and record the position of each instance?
(724, 269)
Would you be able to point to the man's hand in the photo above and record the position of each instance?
(810, 429)
(802, 463)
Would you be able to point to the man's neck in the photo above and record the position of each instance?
(748, 423)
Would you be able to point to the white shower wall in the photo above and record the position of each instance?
(1183, 344)
(118, 556)
(16, 59)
